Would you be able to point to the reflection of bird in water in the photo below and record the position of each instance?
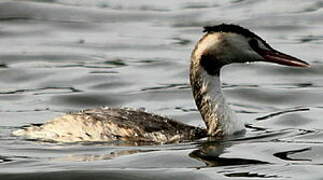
(221, 45)
(96, 157)
(210, 153)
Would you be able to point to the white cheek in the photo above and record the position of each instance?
(242, 49)
(229, 47)
(238, 49)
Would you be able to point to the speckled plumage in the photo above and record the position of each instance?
(112, 124)
(220, 120)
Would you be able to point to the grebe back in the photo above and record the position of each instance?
(221, 45)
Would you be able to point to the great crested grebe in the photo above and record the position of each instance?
(221, 45)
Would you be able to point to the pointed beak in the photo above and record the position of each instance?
(281, 58)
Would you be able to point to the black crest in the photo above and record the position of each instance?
(230, 28)
(239, 30)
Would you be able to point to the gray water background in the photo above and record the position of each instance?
(58, 56)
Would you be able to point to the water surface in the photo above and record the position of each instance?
(59, 56)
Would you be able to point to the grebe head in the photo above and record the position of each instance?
(221, 45)
(227, 43)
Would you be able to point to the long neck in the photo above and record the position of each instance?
(206, 86)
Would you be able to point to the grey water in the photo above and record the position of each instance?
(59, 56)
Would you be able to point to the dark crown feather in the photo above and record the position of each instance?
(230, 28)
(235, 29)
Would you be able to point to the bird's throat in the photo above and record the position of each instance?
(209, 99)
(217, 115)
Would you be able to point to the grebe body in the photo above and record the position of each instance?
(112, 124)
(221, 45)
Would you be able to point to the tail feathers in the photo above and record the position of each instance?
(32, 132)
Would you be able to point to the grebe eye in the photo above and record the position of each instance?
(253, 43)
